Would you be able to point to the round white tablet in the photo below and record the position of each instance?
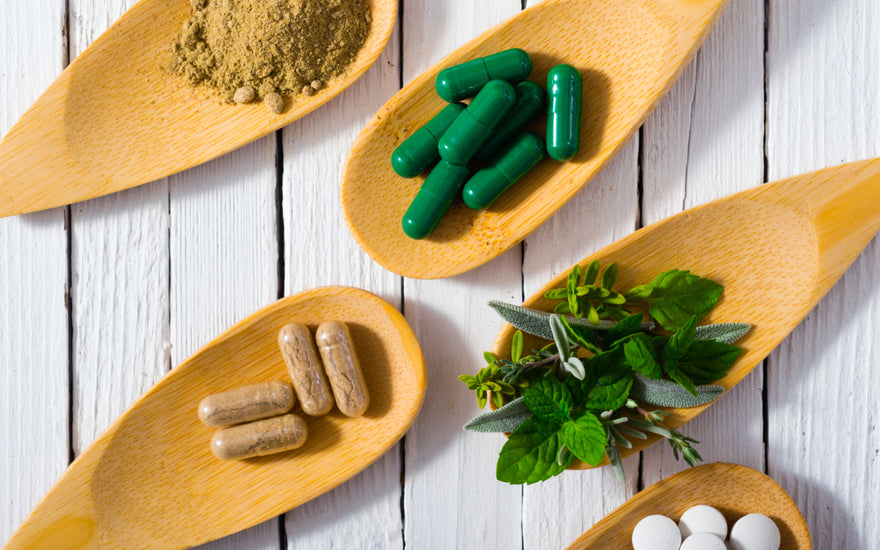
(703, 541)
(656, 533)
(754, 532)
(703, 519)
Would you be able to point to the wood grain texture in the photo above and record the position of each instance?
(151, 481)
(66, 148)
(33, 281)
(823, 390)
(622, 86)
(318, 249)
(703, 143)
(450, 474)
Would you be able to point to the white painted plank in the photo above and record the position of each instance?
(823, 83)
(558, 511)
(364, 512)
(451, 497)
(33, 280)
(224, 257)
(705, 141)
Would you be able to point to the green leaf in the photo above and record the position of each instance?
(560, 338)
(609, 276)
(663, 393)
(610, 366)
(593, 314)
(681, 341)
(624, 328)
(571, 289)
(609, 397)
(639, 293)
(548, 398)
(591, 273)
(556, 294)
(503, 419)
(726, 333)
(708, 360)
(489, 357)
(641, 354)
(516, 347)
(530, 454)
(585, 436)
(583, 336)
(677, 296)
(681, 378)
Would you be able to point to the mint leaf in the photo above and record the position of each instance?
(531, 452)
(504, 419)
(548, 398)
(681, 341)
(609, 397)
(583, 336)
(681, 378)
(708, 360)
(641, 354)
(676, 296)
(610, 366)
(585, 436)
(624, 328)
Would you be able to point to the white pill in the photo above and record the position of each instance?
(656, 533)
(703, 519)
(754, 532)
(703, 541)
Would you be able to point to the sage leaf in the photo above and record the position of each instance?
(536, 322)
(609, 397)
(663, 393)
(560, 338)
(548, 398)
(575, 367)
(585, 436)
(726, 333)
(676, 296)
(530, 454)
(707, 360)
(504, 419)
(641, 354)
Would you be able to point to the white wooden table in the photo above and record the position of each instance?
(99, 300)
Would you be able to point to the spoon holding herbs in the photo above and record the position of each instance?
(118, 117)
(151, 480)
(629, 53)
(776, 250)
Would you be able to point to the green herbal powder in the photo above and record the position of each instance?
(275, 47)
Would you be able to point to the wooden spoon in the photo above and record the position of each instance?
(151, 481)
(734, 490)
(777, 249)
(116, 118)
(629, 53)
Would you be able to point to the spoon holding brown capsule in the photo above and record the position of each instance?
(117, 118)
(734, 490)
(629, 53)
(777, 249)
(151, 480)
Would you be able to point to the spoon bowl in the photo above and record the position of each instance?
(777, 249)
(151, 481)
(117, 118)
(734, 490)
(629, 53)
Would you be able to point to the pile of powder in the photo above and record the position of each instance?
(263, 48)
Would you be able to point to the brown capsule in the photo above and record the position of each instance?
(260, 438)
(247, 403)
(343, 368)
(304, 366)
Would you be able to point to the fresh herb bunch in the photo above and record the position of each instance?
(578, 396)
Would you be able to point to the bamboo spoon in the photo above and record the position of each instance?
(734, 490)
(629, 52)
(777, 249)
(151, 481)
(115, 118)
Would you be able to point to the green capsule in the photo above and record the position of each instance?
(530, 99)
(441, 187)
(508, 166)
(465, 80)
(472, 127)
(565, 88)
(420, 149)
